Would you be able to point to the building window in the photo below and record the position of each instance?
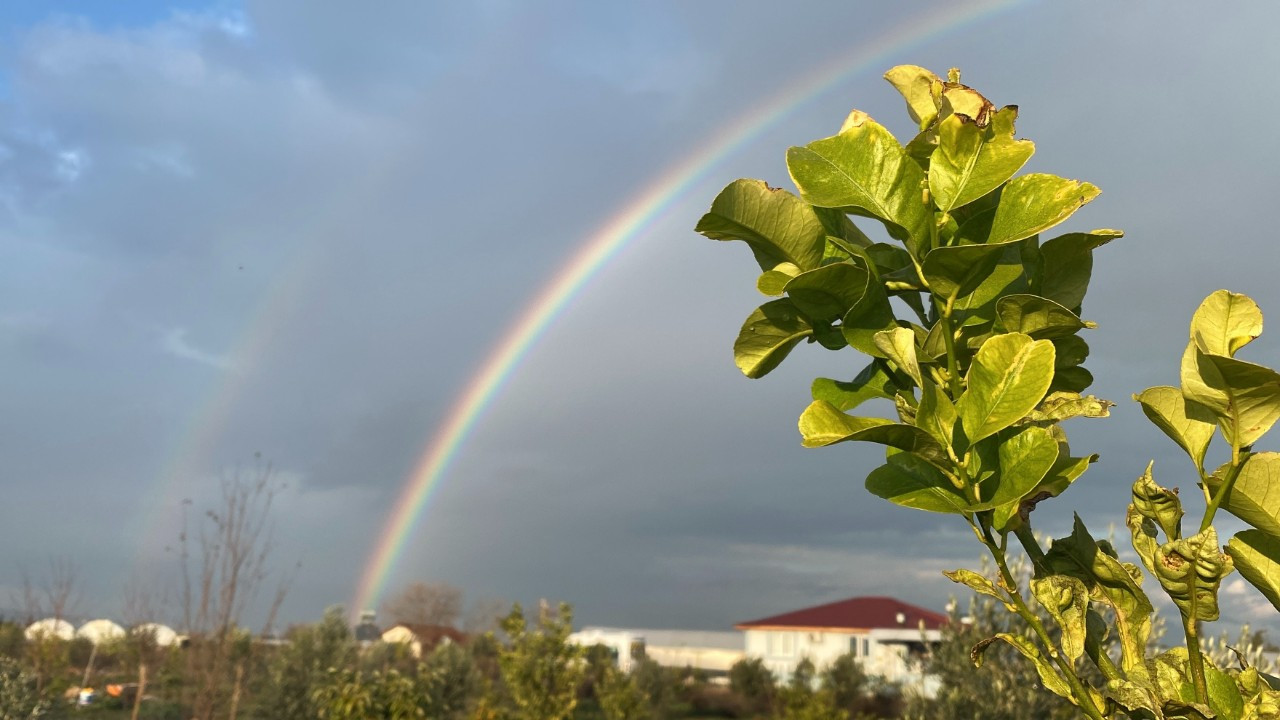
(781, 644)
(866, 647)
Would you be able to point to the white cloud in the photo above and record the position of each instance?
(175, 343)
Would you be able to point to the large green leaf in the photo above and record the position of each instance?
(920, 88)
(1255, 494)
(1257, 556)
(864, 169)
(1069, 351)
(821, 424)
(825, 294)
(910, 481)
(769, 333)
(1036, 202)
(778, 226)
(1111, 582)
(1038, 317)
(971, 161)
(873, 382)
(899, 346)
(958, 270)
(1225, 322)
(1068, 265)
(1009, 376)
(1065, 470)
(1167, 409)
(1244, 396)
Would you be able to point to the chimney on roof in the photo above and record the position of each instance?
(901, 618)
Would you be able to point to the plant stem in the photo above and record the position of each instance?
(1083, 699)
(948, 336)
(1194, 657)
(1237, 461)
(1030, 544)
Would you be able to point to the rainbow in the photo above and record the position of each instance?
(638, 214)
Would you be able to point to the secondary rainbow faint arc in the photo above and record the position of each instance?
(640, 212)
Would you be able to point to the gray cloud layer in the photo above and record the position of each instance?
(297, 230)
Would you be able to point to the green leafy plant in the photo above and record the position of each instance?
(972, 324)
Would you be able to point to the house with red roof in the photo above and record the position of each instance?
(886, 635)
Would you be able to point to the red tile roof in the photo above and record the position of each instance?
(859, 613)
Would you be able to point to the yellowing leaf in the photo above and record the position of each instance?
(1225, 322)
(1032, 203)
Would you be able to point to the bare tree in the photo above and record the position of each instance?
(422, 603)
(225, 564)
(485, 615)
(140, 608)
(54, 599)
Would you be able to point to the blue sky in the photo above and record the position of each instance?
(296, 229)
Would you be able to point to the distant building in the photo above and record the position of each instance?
(423, 638)
(887, 636)
(710, 651)
(626, 646)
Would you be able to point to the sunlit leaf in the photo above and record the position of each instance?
(899, 346)
(1111, 582)
(1244, 396)
(1255, 494)
(920, 88)
(971, 161)
(1036, 202)
(973, 581)
(873, 382)
(1067, 601)
(1167, 409)
(778, 226)
(936, 414)
(1049, 677)
(1225, 322)
(1257, 557)
(821, 424)
(774, 282)
(864, 169)
(1007, 379)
